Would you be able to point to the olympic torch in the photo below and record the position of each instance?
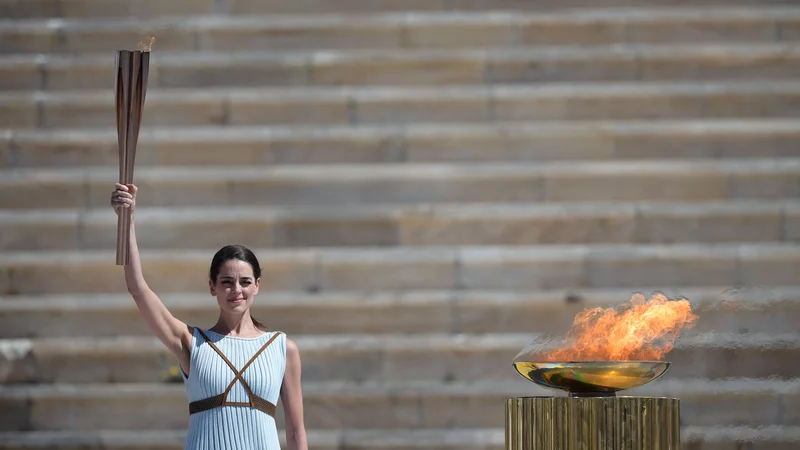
(131, 69)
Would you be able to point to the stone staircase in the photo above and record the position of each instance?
(429, 185)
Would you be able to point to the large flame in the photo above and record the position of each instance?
(640, 330)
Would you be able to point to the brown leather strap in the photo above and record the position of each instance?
(222, 399)
(217, 401)
(219, 352)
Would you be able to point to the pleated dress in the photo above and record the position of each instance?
(233, 386)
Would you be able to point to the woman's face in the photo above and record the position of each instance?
(235, 286)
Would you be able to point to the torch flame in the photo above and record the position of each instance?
(146, 47)
(641, 330)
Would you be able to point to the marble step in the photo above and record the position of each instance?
(184, 8)
(414, 225)
(772, 309)
(336, 406)
(339, 30)
(382, 358)
(666, 180)
(400, 269)
(693, 437)
(407, 67)
(177, 149)
(80, 111)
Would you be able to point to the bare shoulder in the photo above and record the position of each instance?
(293, 364)
(188, 336)
(292, 350)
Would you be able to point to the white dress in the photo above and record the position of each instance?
(238, 426)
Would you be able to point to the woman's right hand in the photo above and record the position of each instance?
(124, 196)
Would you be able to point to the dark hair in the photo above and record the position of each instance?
(237, 252)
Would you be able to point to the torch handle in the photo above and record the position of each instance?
(123, 237)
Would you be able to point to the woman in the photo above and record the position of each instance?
(234, 372)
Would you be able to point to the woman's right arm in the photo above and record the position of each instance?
(176, 335)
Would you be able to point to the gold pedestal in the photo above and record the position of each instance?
(592, 423)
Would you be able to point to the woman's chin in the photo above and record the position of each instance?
(236, 305)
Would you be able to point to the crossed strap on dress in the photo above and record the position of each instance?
(220, 400)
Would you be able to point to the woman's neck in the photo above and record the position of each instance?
(239, 326)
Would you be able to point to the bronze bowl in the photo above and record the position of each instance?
(592, 378)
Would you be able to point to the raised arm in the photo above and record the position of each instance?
(292, 398)
(176, 335)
